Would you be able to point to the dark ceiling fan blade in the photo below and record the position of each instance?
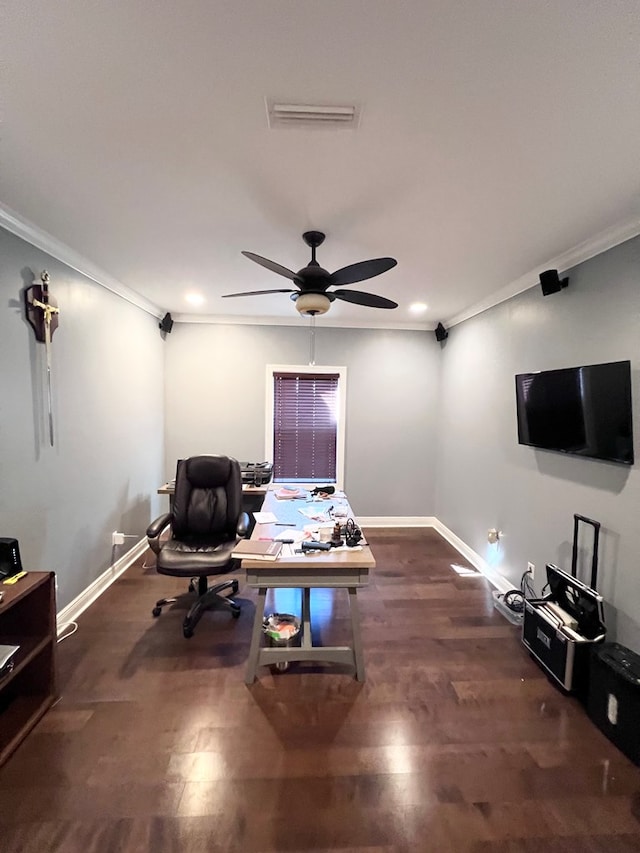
(272, 265)
(360, 298)
(258, 292)
(362, 270)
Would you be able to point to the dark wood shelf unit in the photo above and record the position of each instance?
(28, 620)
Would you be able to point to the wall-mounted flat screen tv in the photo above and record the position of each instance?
(585, 411)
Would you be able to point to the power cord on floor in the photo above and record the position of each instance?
(514, 598)
(74, 628)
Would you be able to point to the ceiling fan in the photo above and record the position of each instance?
(312, 296)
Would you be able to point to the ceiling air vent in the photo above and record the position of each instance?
(281, 115)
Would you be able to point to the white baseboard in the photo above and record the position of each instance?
(501, 583)
(71, 612)
(495, 578)
(397, 521)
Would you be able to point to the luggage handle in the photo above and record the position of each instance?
(574, 556)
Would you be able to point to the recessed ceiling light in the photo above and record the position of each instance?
(194, 298)
(418, 307)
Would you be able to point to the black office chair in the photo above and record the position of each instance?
(206, 521)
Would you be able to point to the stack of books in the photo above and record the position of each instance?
(257, 549)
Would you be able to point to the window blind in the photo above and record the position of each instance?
(305, 426)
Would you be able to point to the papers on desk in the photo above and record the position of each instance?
(315, 515)
(265, 517)
(296, 535)
(287, 494)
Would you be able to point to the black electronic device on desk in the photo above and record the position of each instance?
(561, 629)
(10, 563)
(256, 473)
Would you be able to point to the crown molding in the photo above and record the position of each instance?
(602, 242)
(294, 320)
(21, 227)
(32, 234)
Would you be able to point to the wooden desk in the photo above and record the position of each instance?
(337, 569)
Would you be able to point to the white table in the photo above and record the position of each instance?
(336, 569)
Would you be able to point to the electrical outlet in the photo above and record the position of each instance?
(117, 538)
(531, 569)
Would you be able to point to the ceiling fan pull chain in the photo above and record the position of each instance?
(312, 339)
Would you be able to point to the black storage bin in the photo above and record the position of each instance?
(614, 696)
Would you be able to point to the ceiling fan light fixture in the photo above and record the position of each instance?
(310, 304)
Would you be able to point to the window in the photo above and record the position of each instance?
(305, 423)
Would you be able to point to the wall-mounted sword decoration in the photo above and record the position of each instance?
(42, 313)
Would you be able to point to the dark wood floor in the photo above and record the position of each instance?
(456, 742)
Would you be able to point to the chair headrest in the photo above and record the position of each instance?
(207, 471)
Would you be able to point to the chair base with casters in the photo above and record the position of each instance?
(209, 597)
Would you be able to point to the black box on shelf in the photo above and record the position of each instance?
(561, 629)
(613, 703)
(10, 563)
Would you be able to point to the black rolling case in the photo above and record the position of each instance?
(561, 629)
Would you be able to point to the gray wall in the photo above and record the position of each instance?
(486, 479)
(431, 429)
(63, 503)
(215, 403)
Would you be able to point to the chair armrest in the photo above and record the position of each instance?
(155, 529)
(243, 525)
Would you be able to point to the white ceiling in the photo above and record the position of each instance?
(497, 137)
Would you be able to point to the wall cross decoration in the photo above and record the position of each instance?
(42, 314)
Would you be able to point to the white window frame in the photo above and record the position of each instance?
(342, 409)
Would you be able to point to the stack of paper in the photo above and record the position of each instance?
(295, 535)
(256, 549)
(265, 517)
(287, 494)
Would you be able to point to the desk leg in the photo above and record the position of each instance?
(355, 627)
(256, 637)
(306, 618)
